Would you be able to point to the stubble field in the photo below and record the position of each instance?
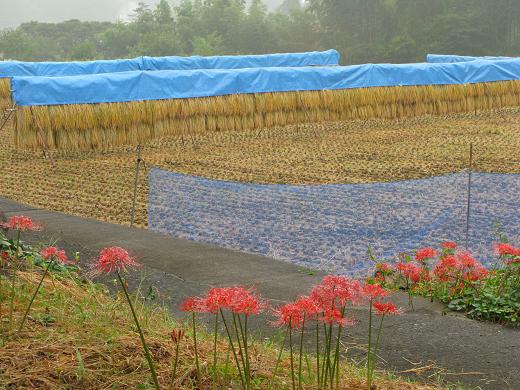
(99, 185)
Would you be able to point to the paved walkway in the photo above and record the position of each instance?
(423, 342)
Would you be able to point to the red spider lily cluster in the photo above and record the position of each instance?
(327, 304)
(451, 273)
(20, 223)
(384, 308)
(449, 265)
(425, 254)
(238, 302)
(237, 299)
(509, 253)
(53, 253)
(459, 267)
(114, 259)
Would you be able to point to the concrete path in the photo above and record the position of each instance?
(423, 342)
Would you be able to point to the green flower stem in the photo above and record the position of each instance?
(301, 355)
(318, 354)
(278, 360)
(374, 355)
(328, 349)
(369, 358)
(240, 348)
(215, 352)
(194, 329)
(324, 374)
(35, 293)
(233, 348)
(248, 367)
(174, 370)
(145, 347)
(329, 359)
(335, 367)
(243, 332)
(13, 279)
(292, 357)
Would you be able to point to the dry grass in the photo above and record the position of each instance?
(102, 126)
(5, 93)
(99, 185)
(79, 337)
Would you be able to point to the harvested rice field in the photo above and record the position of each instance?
(99, 184)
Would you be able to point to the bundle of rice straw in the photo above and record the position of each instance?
(102, 111)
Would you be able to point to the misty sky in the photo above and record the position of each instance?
(14, 12)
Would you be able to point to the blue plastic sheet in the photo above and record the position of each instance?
(136, 86)
(323, 58)
(10, 69)
(330, 227)
(441, 58)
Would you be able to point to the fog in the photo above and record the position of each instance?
(14, 12)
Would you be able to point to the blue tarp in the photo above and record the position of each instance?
(438, 58)
(135, 86)
(323, 58)
(10, 69)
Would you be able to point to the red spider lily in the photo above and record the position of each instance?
(194, 305)
(52, 252)
(413, 272)
(335, 316)
(217, 298)
(449, 245)
(476, 273)
(239, 300)
(448, 267)
(176, 335)
(336, 290)
(504, 249)
(373, 291)
(424, 254)
(114, 259)
(248, 304)
(308, 307)
(289, 315)
(21, 223)
(385, 308)
(467, 260)
(384, 268)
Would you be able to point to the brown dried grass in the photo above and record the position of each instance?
(79, 337)
(5, 95)
(108, 125)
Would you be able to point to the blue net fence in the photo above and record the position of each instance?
(330, 227)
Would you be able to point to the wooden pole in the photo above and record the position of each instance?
(7, 116)
(136, 179)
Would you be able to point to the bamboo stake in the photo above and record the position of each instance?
(136, 178)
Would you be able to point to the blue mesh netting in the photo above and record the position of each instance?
(330, 226)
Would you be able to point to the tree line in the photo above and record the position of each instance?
(362, 30)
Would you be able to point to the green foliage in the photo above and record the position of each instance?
(363, 31)
(461, 283)
(32, 256)
(496, 300)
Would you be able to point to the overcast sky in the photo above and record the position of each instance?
(14, 12)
